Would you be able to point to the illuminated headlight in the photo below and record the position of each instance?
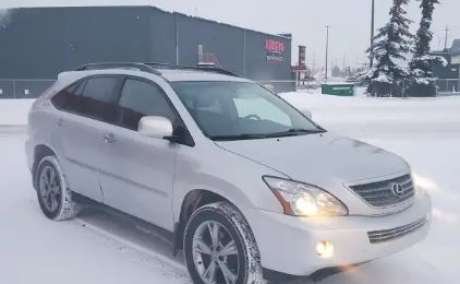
(300, 199)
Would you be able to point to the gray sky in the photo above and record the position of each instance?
(305, 19)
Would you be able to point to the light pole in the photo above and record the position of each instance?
(446, 38)
(372, 33)
(327, 49)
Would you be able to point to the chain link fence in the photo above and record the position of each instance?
(23, 88)
(32, 88)
(448, 87)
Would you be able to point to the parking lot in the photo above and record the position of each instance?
(101, 248)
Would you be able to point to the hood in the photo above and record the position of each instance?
(320, 159)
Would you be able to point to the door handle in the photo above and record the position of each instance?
(109, 138)
(60, 122)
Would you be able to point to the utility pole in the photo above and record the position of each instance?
(372, 33)
(313, 63)
(446, 38)
(327, 49)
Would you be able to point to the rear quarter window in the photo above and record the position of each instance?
(69, 98)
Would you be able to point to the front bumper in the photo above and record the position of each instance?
(288, 244)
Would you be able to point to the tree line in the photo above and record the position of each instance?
(403, 64)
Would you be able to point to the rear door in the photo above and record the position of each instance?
(86, 107)
(136, 171)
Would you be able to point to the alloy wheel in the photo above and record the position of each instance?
(215, 254)
(50, 188)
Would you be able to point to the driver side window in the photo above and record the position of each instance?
(139, 99)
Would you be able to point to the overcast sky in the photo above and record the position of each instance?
(305, 19)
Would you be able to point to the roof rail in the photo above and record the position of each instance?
(119, 65)
(159, 64)
(152, 67)
(210, 68)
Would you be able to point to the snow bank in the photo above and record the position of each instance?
(14, 111)
(366, 117)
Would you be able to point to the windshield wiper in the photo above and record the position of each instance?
(289, 132)
(295, 132)
(237, 137)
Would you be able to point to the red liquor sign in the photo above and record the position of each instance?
(275, 49)
(274, 46)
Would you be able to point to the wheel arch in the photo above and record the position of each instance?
(193, 200)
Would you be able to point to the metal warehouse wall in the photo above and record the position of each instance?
(224, 41)
(38, 43)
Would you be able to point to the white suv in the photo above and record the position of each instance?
(241, 179)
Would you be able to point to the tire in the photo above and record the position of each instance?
(231, 256)
(54, 197)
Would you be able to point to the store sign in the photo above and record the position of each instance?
(302, 57)
(274, 46)
(275, 50)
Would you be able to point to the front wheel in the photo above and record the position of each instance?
(220, 248)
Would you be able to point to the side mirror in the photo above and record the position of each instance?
(155, 127)
(307, 113)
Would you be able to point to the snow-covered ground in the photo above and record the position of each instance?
(101, 248)
(13, 112)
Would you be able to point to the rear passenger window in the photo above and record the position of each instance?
(100, 97)
(139, 99)
(102, 89)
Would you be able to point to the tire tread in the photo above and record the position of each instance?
(254, 272)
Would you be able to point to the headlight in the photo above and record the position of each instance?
(300, 199)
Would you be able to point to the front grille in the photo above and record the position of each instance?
(391, 234)
(387, 192)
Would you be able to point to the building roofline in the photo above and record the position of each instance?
(283, 36)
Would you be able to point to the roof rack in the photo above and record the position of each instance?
(207, 67)
(158, 64)
(119, 65)
(210, 68)
(152, 67)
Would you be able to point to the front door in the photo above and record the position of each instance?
(137, 172)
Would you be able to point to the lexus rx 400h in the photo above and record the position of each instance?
(242, 180)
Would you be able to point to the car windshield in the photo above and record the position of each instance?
(241, 110)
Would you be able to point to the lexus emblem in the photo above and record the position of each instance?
(397, 189)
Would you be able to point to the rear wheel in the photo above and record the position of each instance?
(54, 197)
(220, 247)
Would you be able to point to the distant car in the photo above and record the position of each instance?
(240, 178)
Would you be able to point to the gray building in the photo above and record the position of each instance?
(449, 75)
(38, 43)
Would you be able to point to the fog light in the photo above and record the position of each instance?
(325, 249)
